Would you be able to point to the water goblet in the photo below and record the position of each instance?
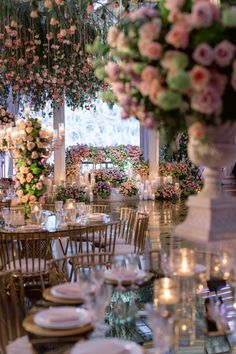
(6, 216)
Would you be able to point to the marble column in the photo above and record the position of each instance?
(149, 142)
(59, 153)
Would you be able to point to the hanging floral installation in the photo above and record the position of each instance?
(6, 117)
(34, 149)
(43, 51)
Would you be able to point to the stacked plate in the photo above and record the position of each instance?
(125, 276)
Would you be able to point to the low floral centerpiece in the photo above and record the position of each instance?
(31, 155)
(71, 192)
(175, 67)
(128, 189)
(112, 175)
(102, 189)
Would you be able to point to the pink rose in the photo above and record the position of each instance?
(155, 89)
(112, 35)
(207, 101)
(151, 50)
(144, 88)
(202, 14)
(200, 77)
(203, 54)
(218, 81)
(113, 70)
(178, 36)
(224, 53)
(30, 146)
(142, 12)
(34, 155)
(150, 73)
(39, 186)
(151, 30)
(24, 199)
(90, 9)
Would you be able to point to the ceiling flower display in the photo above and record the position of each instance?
(43, 54)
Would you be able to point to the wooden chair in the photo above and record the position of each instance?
(99, 208)
(26, 252)
(12, 308)
(137, 242)
(97, 242)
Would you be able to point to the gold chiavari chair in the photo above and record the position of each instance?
(12, 308)
(125, 219)
(67, 269)
(137, 242)
(97, 242)
(99, 208)
(26, 252)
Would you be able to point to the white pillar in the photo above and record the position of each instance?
(59, 154)
(153, 153)
(14, 109)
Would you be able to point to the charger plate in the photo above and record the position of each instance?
(30, 326)
(47, 295)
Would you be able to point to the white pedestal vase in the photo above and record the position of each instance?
(211, 214)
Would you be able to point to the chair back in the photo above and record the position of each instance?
(97, 242)
(12, 308)
(99, 208)
(140, 233)
(26, 252)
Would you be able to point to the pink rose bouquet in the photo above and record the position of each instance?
(171, 63)
(30, 166)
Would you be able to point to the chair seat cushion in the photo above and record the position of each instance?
(32, 266)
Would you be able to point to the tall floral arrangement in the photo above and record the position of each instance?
(31, 155)
(177, 62)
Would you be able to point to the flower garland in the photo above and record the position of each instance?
(128, 188)
(178, 62)
(120, 156)
(32, 153)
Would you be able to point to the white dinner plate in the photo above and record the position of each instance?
(98, 216)
(107, 345)
(64, 317)
(72, 291)
(124, 275)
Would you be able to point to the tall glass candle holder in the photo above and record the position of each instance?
(166, 292)
(184, 262)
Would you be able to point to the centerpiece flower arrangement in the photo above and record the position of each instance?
(32, 153)
(102, 189)
(71, 192)
(112, 175)
(176, 64)
(168, 192)
(128, 188)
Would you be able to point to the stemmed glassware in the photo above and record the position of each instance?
(6, 214)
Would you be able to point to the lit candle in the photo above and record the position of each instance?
(166, 291)
(185, 262)
(165, 180)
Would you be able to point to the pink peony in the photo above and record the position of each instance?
(218, 81)
(178, 36)
(151, 50)
(203, 54)
(207, 101)
(224, 53)
(144, 88)
(151, 30)
(200, 77)
(202, 14)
